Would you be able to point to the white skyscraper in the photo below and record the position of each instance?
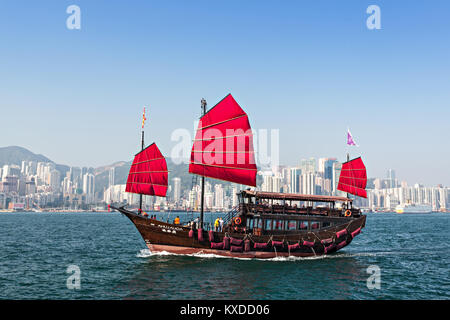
(337, 167)
(219, 196)
(267, 183)
(308, 183)
(176, 189)
(234, 197)
(89, 186)
(111, 176)
(54, 180)
(276, 183)
(391, 179)
(443, 195)
(294, 185)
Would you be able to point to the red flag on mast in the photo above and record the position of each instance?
(353, 178)
(143, 118)
(223, 145)
(148, 173)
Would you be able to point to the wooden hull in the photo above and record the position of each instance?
(160, 236)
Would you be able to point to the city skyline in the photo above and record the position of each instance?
(299, 164)
(36, 184)
(309, 78)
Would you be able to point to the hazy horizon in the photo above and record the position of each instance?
(308, 69)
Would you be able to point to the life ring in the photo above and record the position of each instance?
(348, 213)
(237, 221)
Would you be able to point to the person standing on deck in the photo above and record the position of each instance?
(220, 224)
(196, 223)
(216, 225)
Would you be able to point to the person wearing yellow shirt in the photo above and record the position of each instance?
(216, 224)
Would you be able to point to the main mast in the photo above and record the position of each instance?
(140, 196)
(348, 159)
(202, 201)
(148, 173)
(241, 168)
(142, 149)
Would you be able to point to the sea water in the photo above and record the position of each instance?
(411, 254)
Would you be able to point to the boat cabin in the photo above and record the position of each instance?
(280, 213)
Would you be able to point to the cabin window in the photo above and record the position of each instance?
(314, 225)
(250, 223)
(269, 224)
(292, 225)
(278, 225)
(326, 224)
(258, 223)
(303, 225)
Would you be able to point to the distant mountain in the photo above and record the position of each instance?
(121, 173)
(15, 155)
(102, 175)
(179, 169)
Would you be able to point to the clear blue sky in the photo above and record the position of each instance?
(308, 68)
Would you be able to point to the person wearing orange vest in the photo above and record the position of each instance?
(177, 220)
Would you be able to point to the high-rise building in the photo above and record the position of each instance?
(321, 166)
(24, 167)
(54, 180)
(294, 179)
(219, 196)
(337, 167)
(443, 197)
(30, 187)
(308, 183)
(89, 187)
(111, 176)
(328, 168)
(176, 189)
(209, 200)
(193, 199)
(267, 182)
(234, 196)
(308, 165)
(391, 179)
(276, 183)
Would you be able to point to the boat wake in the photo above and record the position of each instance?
(146, 253)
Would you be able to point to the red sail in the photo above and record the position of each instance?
(223, 145)
(148, 173)
(353, 178)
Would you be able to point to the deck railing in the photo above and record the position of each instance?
(230, 215)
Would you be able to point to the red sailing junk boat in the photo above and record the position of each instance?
(264, 224)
